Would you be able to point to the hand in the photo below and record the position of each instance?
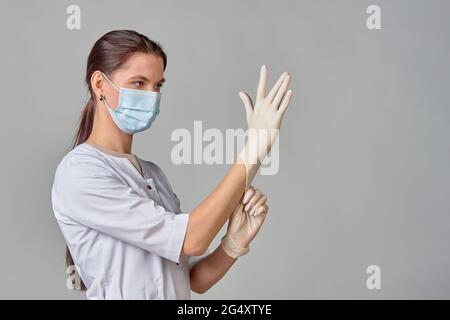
(264, 121)
(245, 222)
(269, 109)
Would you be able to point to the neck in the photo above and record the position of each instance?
(106, 134)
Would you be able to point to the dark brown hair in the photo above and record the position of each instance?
(108, 54)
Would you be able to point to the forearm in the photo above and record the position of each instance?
(208, 271)
(206, 220)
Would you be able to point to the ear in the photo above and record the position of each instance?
(97, 84)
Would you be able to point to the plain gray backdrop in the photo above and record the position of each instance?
(364, 173)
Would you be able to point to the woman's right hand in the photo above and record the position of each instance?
(264, 120)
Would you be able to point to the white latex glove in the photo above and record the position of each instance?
(264, 120)
(245, 222)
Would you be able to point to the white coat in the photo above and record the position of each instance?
(125, 231)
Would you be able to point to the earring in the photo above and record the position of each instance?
(102, 97)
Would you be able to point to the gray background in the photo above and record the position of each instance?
(364, 175)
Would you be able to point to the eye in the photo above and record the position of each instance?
(138, 84)
(159, 85)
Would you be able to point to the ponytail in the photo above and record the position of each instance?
(86, 123)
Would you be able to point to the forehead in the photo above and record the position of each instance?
(146, 64)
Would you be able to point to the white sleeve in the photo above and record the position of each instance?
(90, 193)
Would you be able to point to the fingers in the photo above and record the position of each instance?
(277, 85)
(285, 102)
(248, 194)
(247, 102)
(261, 202)
(262, 210)
(281, 92)
(261, 91)
(255, 198)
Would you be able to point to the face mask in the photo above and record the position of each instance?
(137, 109)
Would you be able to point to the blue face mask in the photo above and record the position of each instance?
(137, 109)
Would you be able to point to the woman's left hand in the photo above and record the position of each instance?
(245, 222)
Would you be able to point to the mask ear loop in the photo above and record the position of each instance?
(110, 81)
(102, 97)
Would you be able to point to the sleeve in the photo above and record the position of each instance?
(91, 193)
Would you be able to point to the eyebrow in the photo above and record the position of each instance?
(141, 77)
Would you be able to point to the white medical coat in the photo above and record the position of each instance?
(125, 231)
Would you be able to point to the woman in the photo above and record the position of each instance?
(121, 220)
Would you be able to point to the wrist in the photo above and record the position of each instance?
(258, 144)
(251, 167)
(233, 248)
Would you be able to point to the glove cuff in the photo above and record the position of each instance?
(250, 168)
(232, 249)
